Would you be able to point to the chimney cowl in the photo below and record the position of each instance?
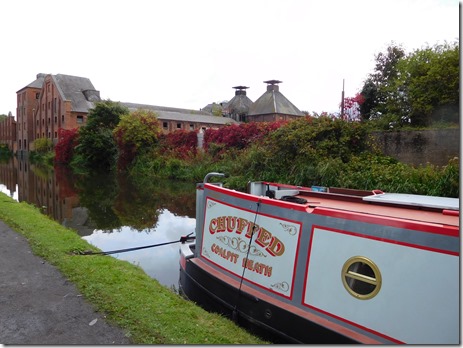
(272, 85)
(240, 90)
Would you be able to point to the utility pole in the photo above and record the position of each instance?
(342, 100)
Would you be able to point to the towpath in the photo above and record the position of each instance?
(40, 306)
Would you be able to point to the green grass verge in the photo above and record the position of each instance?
(148, 312)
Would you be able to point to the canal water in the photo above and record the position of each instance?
(111, 212)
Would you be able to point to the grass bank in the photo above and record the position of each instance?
(148, 312)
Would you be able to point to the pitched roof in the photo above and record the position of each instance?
(78, 90)
(240, 103)
(273, 102)
(182, 115)
(164, 108)
(37, 83)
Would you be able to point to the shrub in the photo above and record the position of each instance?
(42, 145)
(64, 149)
(179, 144)
(135, 133)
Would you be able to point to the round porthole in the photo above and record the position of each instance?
(361, 277)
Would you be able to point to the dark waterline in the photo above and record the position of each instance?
(110, 211)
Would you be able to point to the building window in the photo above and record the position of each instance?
(80, 119)
(56, 119)
(179, 125)
(164, 125)
(192, 126)
(37, 95)
(56, 134)
(62, 118)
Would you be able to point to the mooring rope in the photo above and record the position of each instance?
(182, 239)
(235, 309)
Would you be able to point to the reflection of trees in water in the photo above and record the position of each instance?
(97, 193)
(65, 180)
(139, 205)
(114, 200)
(110, 200)
(176, 196)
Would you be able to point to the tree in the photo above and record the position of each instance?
(419, 88)
(97, 148)
(135, 133)
(430, 79)
(369, 93)
(67, 141)
(379, 88)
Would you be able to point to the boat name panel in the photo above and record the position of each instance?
(261, 248)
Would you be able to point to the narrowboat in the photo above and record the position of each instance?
(326, 265)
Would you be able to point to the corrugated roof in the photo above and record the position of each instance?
(187, 115)
(72, 88)
(273, 102)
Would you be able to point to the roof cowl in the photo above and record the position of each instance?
(272, 85)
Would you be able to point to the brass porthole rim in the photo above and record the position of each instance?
(376, 271)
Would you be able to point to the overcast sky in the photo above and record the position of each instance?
(189, 53)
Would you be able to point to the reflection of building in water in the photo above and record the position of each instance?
(26, 189)
(47, 190)
(8, 177)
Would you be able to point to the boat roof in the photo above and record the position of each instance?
(415, 200)
(428, 209)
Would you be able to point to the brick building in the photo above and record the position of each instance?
(272, 106)
(8, 131)
(172, 119)
(52, 102)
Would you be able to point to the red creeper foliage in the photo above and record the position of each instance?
(240, 136)
(64, 149)
(180, 144)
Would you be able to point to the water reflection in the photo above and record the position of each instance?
(159, 262)
(110, 211)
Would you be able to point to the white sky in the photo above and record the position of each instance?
(189, 53)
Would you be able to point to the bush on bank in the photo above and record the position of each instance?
(306, 151)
